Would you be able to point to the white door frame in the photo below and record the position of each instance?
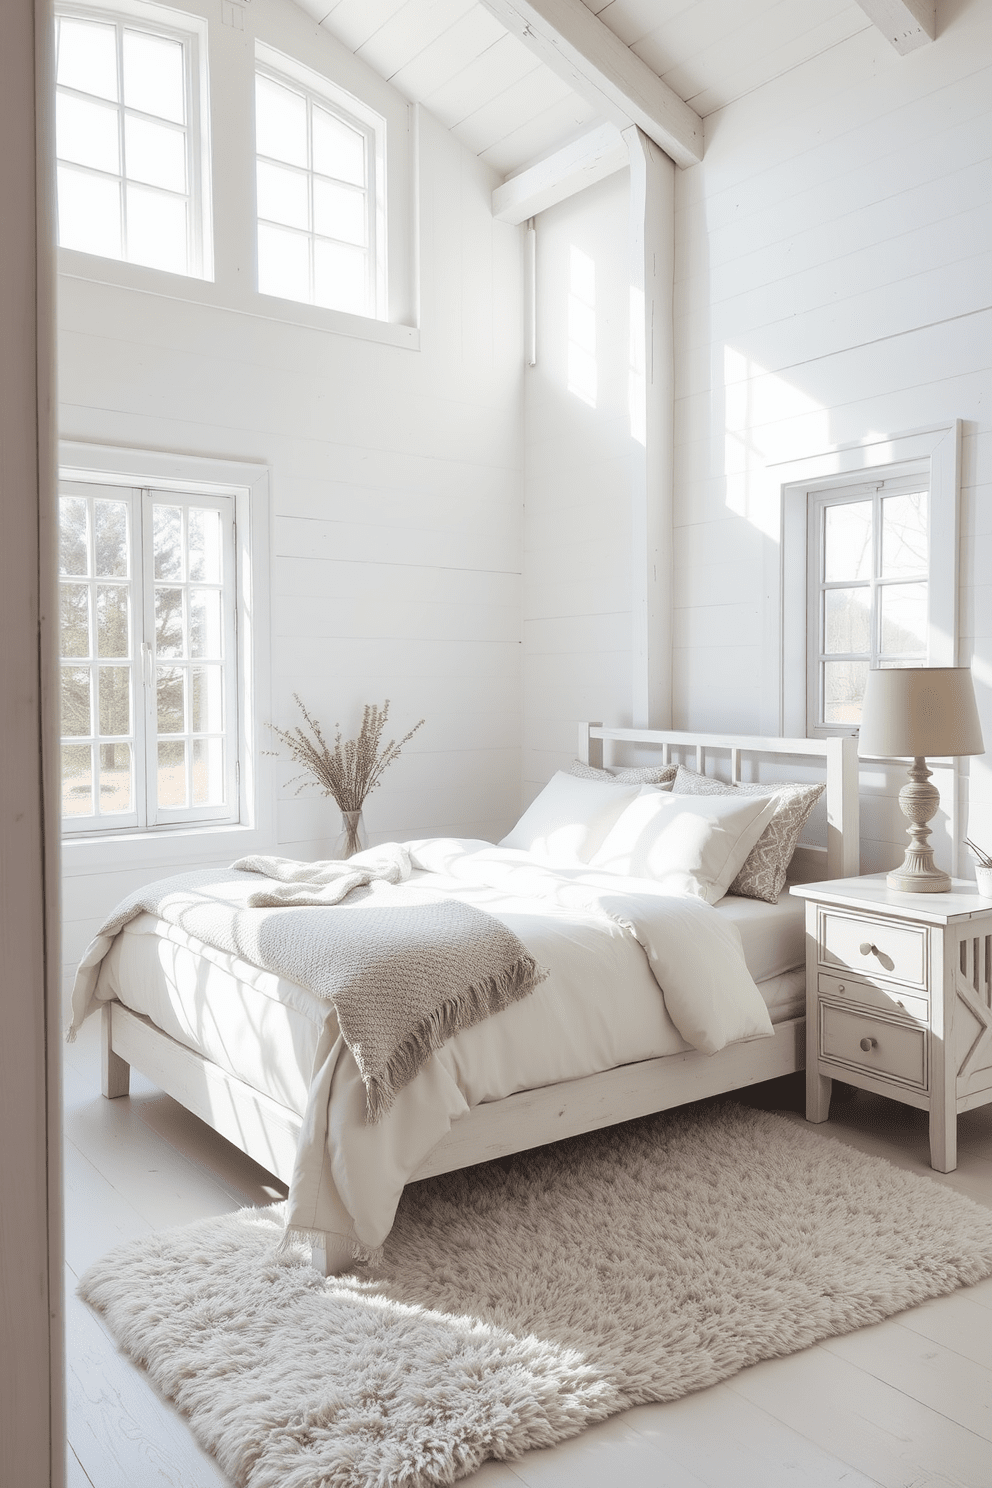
(32, 1420)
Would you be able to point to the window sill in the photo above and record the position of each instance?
(172, 849)
(193, 291)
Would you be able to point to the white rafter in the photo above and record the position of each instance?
(907, 24)
(583, 51)
(574, 167)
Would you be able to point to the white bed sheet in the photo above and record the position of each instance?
(773, 936)
(266, 1029)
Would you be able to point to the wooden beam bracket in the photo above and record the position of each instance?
(907, 24)
(592, 59)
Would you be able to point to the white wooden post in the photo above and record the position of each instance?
(652, 277)
(32, 1421)
(590, 749)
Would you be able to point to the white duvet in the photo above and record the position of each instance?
(625, 963)
(592, 931)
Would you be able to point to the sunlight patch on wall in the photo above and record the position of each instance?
(756, 405)
(582, 373)
(636, 384)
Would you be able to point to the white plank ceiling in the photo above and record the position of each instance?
(457, 60)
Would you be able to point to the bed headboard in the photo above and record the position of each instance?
(840, 857)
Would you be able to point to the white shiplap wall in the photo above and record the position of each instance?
(396, 498)
(577, 539)
(834, 283)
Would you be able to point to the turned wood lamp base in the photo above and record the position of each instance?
(918, 801)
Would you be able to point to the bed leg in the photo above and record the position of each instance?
(115, 1072)
(331, 1255)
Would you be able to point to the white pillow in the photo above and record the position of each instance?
(688, 844)
(570, 819)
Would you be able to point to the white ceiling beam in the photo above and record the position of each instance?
(907, 24)
(580, 48)
(570, 169)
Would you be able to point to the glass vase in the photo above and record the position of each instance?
(352, 838)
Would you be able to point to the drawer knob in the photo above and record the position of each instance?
(868, 1044)
(841, 987)
(867, 949)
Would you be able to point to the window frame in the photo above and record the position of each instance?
(147, 812)
(191, 30)
(819, 501)
(251, 825)
(930, 456)
(353, 111)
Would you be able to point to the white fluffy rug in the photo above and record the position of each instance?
(521, 1301)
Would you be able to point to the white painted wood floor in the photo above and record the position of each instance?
(905, 1404)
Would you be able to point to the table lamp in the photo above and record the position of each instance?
(912, 712)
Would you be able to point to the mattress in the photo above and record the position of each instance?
(773, 936)
(265, 1029)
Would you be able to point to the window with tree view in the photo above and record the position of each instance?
(869, 592)
(148, 657)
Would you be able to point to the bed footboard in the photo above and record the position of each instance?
(269, 1133)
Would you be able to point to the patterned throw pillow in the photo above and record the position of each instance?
(660, 775)
(764, 871)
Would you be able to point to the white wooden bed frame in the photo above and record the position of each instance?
(269, 1132)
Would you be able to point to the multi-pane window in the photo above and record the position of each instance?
(869, 591)
(149, 667)
(316, 196)
(127, 142)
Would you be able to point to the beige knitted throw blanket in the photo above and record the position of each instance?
(404, 967)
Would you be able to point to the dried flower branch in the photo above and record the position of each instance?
(978, 853)
(347, 772)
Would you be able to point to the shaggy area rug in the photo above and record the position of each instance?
(521, 1301)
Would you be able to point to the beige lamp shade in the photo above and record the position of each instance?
(915, 712)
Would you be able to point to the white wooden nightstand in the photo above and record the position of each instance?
(899, 999)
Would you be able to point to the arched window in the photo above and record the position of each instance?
(321, 231)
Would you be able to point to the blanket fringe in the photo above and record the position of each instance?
(297, 1235)
(489, 995)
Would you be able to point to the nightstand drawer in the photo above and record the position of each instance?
(894, 1050)
(874, 948)
(890, 999)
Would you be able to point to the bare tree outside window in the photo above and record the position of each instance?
(147, 614)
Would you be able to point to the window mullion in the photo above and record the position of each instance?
(231, 720)
(876, 573)
(92, 665)
(149, 658)
(139, 701)
(187, 660)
